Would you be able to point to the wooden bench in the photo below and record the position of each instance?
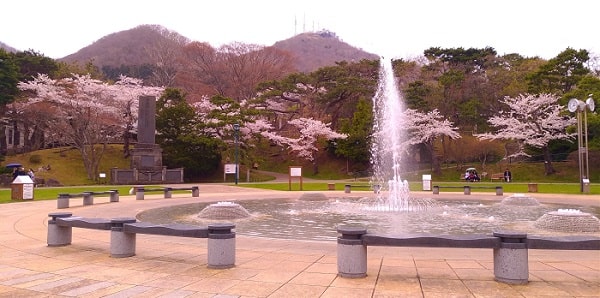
(221, 238)
(168, 191)
(497, 176)
(467, 189)
(509, 249)
(63, 199)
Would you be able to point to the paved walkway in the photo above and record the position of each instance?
(176, 267)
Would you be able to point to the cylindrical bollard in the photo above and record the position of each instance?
(63, 201)
(168, 192)
(511, 259)
(122, 244)
(436, 190)
(347, 188)
(376, 188)
(467, 190)
(499, 190)
(195, 191)
(221, 246)
(139, 193)
(114, 195)
(351, 252)
(88, 198)
(57, 235)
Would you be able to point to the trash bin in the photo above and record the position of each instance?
(330, 186)
(426, 182)
(22, 188)
(532, 187)
(585, 185)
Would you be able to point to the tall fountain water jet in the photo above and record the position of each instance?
(389, 142)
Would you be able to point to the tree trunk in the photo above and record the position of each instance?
(548, 168)
(435, 162)
(126, 144)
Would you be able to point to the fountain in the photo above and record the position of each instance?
(389, 145)
(224, 210)
(520, 199)
(568, 220)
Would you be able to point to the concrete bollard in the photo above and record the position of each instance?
(467, 190)
(168, 192)
(376, 188)
(114, 195)
(347, 188)
(221, 246)
(139, 193)
(351, 252)
(195, 191)
(88, 198)
(122, 245)
(57, 235)
(436, 190)
(499, 191)
(511, 258)
(63, 201)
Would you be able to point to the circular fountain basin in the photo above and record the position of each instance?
(318, 220)
(569, 220)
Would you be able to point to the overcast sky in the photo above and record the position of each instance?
(58, 28)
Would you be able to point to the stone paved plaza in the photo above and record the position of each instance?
(176, 267)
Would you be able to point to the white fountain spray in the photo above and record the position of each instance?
(389, 142)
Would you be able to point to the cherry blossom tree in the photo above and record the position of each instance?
(531, 120)
(304, 144)
(83, 112)
(425, 128)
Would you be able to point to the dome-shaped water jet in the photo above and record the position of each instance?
(568, 220)
(224, 210)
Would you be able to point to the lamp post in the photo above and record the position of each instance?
(576, 105)
(236, 132)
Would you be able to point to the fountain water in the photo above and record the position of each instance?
(389, 143)
(224, 210)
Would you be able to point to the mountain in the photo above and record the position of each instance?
(129, 47)
(313, 50)
(7, 47)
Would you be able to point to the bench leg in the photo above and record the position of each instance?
(122, 245)
(58, 235)
(88, 199)
(351, 253)
(114, 196)
(63, 201)
(499, 190)
(221, 246)
(139, 193)
(347, 188)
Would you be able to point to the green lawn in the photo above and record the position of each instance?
(51, 193)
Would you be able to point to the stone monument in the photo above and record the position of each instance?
(146, 156)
